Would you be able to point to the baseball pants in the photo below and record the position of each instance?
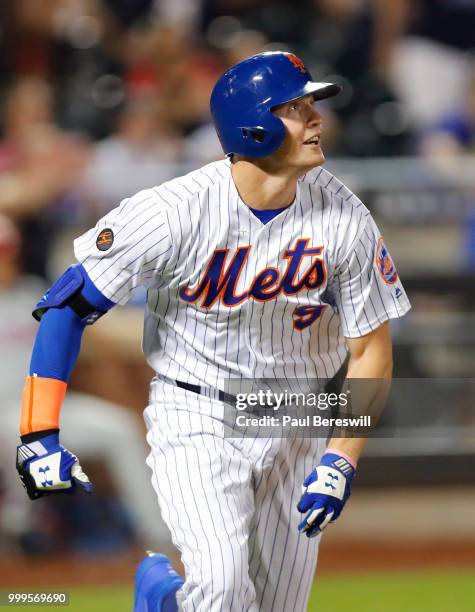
(230, 504)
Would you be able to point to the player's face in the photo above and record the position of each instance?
(303, 123)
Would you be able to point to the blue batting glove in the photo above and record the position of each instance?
(46, 467)
(324, 493)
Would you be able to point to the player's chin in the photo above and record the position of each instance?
(321, 157)
(313, 156)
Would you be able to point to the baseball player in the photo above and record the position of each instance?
(259, 266)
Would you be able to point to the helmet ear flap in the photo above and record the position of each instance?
(262, 139)
(258, 134)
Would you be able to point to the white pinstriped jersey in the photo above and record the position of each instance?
(229, 296)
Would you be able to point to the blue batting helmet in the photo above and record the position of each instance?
(244, 96)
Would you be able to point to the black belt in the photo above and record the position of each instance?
(333, 386)
(217, 394)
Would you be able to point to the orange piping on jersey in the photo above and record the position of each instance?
(41, 404)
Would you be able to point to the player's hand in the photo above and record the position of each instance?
(45, 467)
(324, 493)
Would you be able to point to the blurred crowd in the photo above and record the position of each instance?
(101, 98)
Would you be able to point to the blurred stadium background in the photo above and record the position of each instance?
(100, 98)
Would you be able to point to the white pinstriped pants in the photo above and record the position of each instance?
(230, 504)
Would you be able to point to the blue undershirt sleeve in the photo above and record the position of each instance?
(58, 339)
(57, 344)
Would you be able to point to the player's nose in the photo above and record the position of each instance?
(314, 117)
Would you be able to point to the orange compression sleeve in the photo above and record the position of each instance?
(41, 404)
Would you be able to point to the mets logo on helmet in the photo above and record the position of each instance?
(296, 61)
(385, 264)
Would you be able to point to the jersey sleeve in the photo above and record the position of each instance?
(127, 248)
(366, 286)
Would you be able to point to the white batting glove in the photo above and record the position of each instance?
(46, 467)
(324, 493)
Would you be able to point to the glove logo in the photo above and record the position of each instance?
(330, 484)
(105, 239)
(46, 483)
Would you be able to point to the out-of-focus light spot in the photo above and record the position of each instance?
(246, 42)
(84, 32)
(81, 31)
(277, 46)
(346, 94)
(107, 91)
(390, 118)
(222, 31)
